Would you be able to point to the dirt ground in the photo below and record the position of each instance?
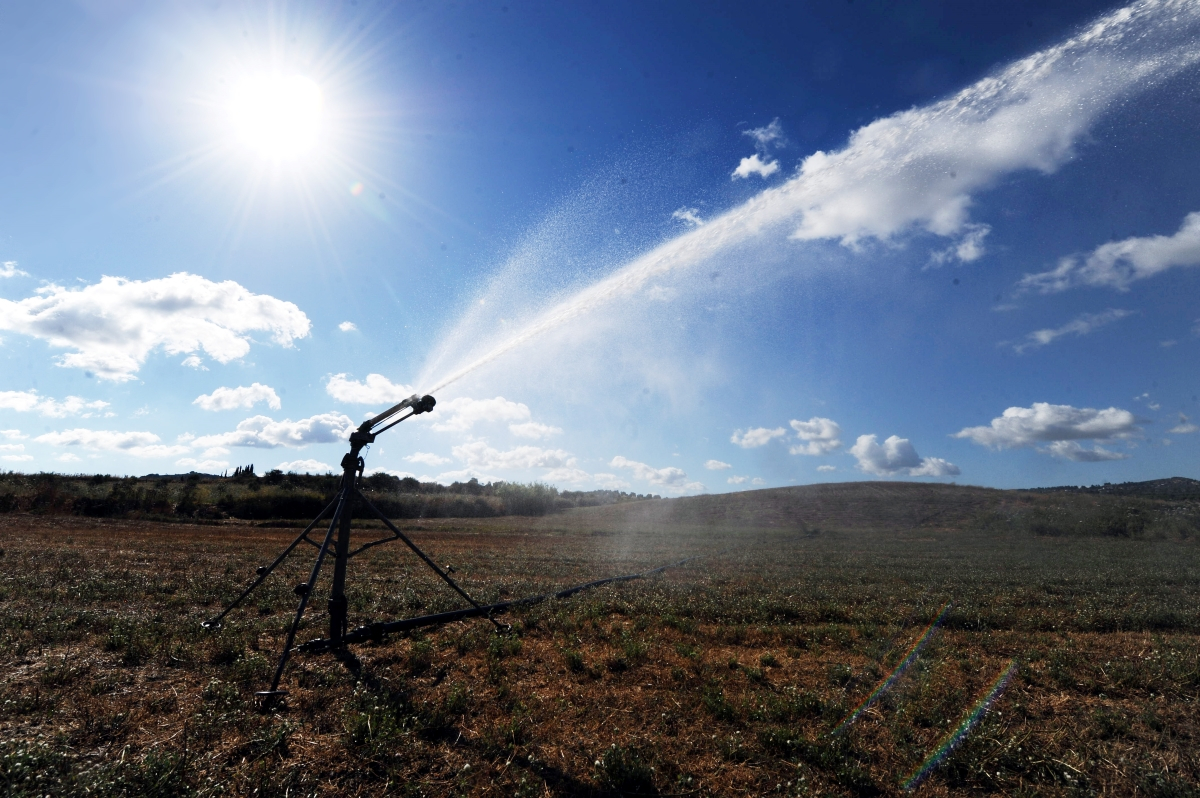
(732, 675)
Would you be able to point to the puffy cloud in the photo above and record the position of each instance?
(1184, 427)
(533, 430)
(305, 467)
(826, 468)
(478, 454)
(16, 458)
(737, 480)
(1045, 423)
(716, 465)
(670, 477)
(194, 362)
(12, 447)
(462, 413)
(31, 402)
(572, 476)
(1119, 263)
(966, 249)
(114, 325)
(376, 389)
(13, 434)
(689, 215)
(347, 326)
(239, 397)
(755, 165)
(427, 458)
(753, 438)
(818, 436)
(898, 456)
(14, 453)
(1072, 450)
(138, 444)
(9, 269)
(610, 481)
(68, 457)
(1081, 325)
(264, 432)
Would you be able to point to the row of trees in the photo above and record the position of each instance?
(276, 495)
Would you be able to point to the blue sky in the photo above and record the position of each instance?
(661, 247)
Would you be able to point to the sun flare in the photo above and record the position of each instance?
(277, 116)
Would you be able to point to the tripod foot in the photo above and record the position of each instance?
(269, 698)
(211, 625)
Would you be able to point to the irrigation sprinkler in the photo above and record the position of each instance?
(340, 512)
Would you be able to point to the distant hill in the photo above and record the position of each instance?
(909, 506)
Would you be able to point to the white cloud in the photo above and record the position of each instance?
(304, 467)
(1044, 423)
(716, 465)
(463, 413)
(30, 401)
(348, 326)
(754, 165)
(572, 476)
(13, 434)
(533, 430)
(1119, 263)
(1081, 325)
(12, 447)
(672, 478)
(966, 249)
(114, 325)
(138, 444)
(766, 136)
(1072, 450)
(262, 431)
(16, 458)
(826, 468)
(240, 397)
(610, 481)
(9, 269)
(819, 436)
(478, 454)
(898, 456)
(1184, 427)
(194, 362)
(376, 389)
(689, 215)
(202, 466)
(427, 458)
(737, 480)
(758, 481)
(68, 457)
(753, 438)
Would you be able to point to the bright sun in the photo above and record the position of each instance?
(278, 117)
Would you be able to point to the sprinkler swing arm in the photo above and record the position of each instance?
(337, 538)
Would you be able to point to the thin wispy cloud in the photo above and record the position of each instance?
(33, 402)
(137, 444)
(1121, 263)
(376, 389)
(670, 478)
(1084, 324)
(689, 215)
(9, 269)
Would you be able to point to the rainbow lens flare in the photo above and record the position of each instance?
(952, 740)
(891, 678)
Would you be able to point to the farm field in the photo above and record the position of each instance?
(731, 675)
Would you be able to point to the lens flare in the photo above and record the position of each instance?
(909, 658)
(952, 740)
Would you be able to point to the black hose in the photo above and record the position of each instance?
(376, 631)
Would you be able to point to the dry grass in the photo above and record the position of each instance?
(721, 678)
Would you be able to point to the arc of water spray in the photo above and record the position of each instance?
(955, 738)
(918, 169)
(899, 670)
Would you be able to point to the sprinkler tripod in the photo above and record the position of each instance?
(342, 509)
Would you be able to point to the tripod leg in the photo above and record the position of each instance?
(445, 577)
(312, 581)
(213, 623)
